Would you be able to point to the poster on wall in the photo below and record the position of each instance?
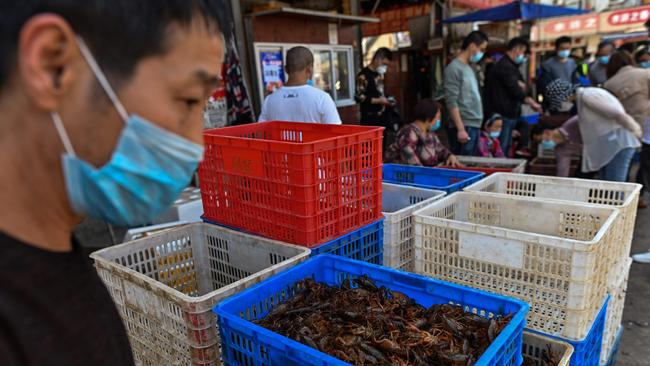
(272, 67)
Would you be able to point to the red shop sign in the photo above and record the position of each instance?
(629, 16)
(573, 25)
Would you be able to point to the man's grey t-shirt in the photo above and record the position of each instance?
(559, 70)
(462, 92)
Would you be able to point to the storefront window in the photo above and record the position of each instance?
(323, 71)
(333, 69)
(342, 68)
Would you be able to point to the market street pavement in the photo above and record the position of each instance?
(635, 344)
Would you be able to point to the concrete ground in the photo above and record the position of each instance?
(635, 344)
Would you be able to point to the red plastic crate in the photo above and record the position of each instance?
(301, 183)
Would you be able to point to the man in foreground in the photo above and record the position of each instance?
(101, 104)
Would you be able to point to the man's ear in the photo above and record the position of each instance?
(47, 51)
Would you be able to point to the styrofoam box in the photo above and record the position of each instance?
(614, 318)
(552, 255)
(623, 196)
(165, 285)
(188, 207)
(536, 345)
(398, 204)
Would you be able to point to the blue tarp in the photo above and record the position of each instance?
(515, 10)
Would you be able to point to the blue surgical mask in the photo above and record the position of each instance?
(520, 59)
(476, 57)
(495, 134)
(564, 53)
(147, 171)
(310, 82)
(435, 126)
(603, 60)
(548, 144)
(645, 64)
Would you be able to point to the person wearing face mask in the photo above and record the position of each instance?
(505, 90)
(417, 142)
(463, 96)
(101, 108)
(561, 66)
(598, 68)
(642, 57)
(370, 89)
(488, 143)
(297, 100)
(565, 141)
(631, 85)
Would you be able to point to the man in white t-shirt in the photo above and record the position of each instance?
(297, 101)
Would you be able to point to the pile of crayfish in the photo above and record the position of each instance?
(364, 324)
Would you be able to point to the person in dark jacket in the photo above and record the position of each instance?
(370, 89)
(505, 89)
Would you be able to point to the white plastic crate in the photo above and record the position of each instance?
(614, 317)
(536, 347)
(166, 285)
(398, 204)
(487, 164)
(552, 255)
(624, 196)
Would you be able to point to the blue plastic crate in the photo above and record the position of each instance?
(586, 352)
(245, 343)
(365, 244)
(611, 360)
(531, 119)
(448, 180)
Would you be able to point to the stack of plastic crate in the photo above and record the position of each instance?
(623, 196)
(398, 203)
(165, 286)
(549, 254)
(308, 184)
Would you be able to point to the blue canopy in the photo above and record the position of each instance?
(515, 10)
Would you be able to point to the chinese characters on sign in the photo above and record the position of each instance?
(575, 25)
(629, 16)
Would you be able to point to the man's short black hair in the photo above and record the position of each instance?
(475, 37)
(383, 53)
(298, 58)
(604, 44)
(118, 32)
(426, 109)
(518, 42)
(562, 40)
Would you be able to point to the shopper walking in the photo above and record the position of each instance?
(631, 85)
(561, 66)
(417, 142)
(462, 95)
(297, 101)
(370, 92)
(101, 106)
(505, 89)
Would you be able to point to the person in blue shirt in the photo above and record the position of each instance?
(560, 66)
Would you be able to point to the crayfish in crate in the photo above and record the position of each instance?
(364, 324)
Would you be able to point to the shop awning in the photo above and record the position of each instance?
(514, 11)
(333, 17)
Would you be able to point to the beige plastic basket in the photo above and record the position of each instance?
(549, 254)
(398, 204)
(165, 286)
(536, 348)
(614, 316)
(514, 165)
(623, 196)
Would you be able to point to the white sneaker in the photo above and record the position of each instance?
(642, 258)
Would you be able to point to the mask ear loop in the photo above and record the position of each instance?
(102, 79)
(58, 123)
